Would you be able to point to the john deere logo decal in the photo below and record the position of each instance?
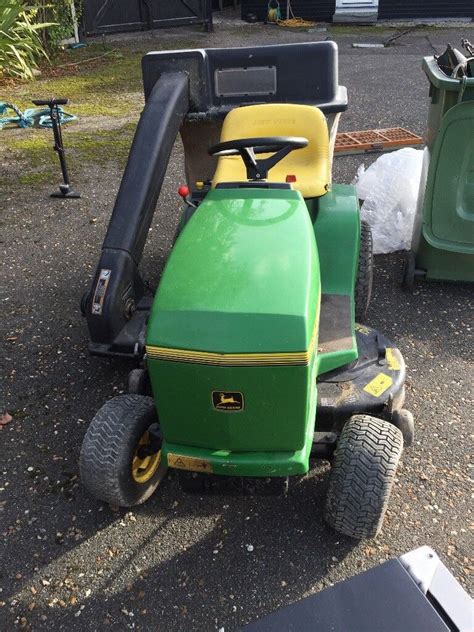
(228, 401)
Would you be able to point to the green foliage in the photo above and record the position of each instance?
(111, 86)
(58, 12)
(20, 44)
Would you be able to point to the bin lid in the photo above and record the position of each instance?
(441, 81)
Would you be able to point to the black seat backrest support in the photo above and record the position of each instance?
(223, 78)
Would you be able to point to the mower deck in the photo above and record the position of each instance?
(374, 384)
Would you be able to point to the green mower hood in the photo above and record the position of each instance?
(243, 277)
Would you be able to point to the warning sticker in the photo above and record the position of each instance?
(181, 462)
(378, 385)
(100, 291)
(392, 360)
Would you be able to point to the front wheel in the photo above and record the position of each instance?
(121, 461)
(362, 475)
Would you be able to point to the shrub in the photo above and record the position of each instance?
(20, 43)
(59, 13)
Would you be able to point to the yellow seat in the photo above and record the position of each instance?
(310, 165)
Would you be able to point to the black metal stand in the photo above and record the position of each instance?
(65, 189)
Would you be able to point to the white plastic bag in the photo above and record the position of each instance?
(389, 188)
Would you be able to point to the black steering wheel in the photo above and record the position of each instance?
(248, 148)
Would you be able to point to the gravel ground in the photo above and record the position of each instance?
(186, 562)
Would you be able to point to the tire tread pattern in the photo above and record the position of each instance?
(362, 476)
(105, 465)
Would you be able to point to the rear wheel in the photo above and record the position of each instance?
(363, 288)
(362, 475)
(185, 217)
(403, 419)
(84, 303)
(120, 459)
(408, 273)
(193, 482)
(138, 382)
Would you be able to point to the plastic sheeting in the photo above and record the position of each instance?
(389, 190)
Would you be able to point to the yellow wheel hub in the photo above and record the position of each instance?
(144, 468)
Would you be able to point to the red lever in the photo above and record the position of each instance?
(183, 191)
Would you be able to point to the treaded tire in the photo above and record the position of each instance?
(185, 217)
(403, 419)
(108, 449)
(138, 382)
(362, 476)
(194, 483)
(363, 288)
(408, 272)
(84, 303)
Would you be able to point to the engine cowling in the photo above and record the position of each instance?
(232, 336)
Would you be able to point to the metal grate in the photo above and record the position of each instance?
(375, 140)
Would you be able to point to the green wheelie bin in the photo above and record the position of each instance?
(443, 235)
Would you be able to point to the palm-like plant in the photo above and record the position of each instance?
(20, 44)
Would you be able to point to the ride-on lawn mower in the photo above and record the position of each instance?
(250, 348)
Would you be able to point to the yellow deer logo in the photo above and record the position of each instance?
(227, 400)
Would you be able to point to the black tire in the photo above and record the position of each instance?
(138, 382)
(84, 303)
(185, 217)
(408, 273)
(362, 476)
(403, 419)
(109, 448)
(194, 483)
(363, 288)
